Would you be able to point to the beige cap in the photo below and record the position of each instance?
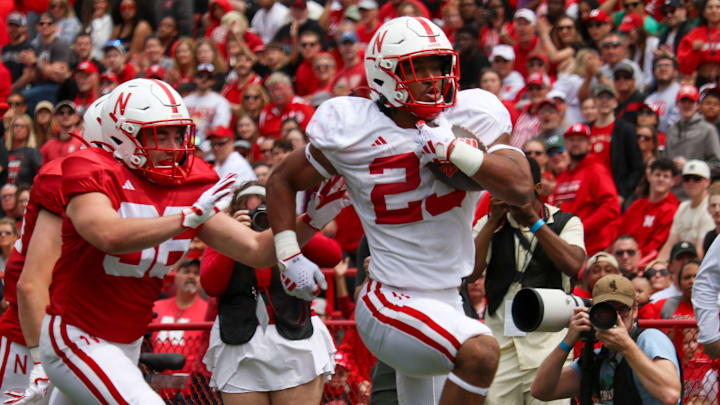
(616, 288)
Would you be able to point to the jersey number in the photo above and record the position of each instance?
(434, 204)
(158, 260)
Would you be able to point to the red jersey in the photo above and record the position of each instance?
(233, 91)
(365, 34)
(111, 296)
(600, 143)
(55, 148)
(128, 73)
(649, 223)
(271, 117)
(688, 59)
(44, 194)
(350, 77)
(588, 191)
(305, 80)
(522, 52)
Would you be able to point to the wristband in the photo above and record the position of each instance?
(466, 158)
(286, 245)
(564, 346)
(537, 225)
(34, 353)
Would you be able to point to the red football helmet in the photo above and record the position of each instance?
(131, 118)
(389, 65)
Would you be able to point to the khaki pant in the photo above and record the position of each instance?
(511, 385)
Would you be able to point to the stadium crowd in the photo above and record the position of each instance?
(618, 102)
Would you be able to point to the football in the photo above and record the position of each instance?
(449, 174)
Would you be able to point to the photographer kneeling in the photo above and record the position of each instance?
(647, 355)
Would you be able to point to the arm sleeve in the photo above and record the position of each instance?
(215, 272)
(323, 251)
(705, 296)
(687, 58)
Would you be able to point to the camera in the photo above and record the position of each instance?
(550, 310)
(258, 218)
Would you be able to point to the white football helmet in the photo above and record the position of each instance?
(130, 119)
(389, 65)
(92, 132)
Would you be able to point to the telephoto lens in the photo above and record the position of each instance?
(603, 316)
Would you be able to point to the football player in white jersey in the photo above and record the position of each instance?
(409, 314)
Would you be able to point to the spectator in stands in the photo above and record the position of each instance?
(714, 210)
(643, 290)
(663, 98)
(498, 29)
(243, 368)
(262, 171)
(692, 137)
(206, 52)
(66, 140)
(254, 100)
(227, 160)
(613, 51)
(558, 162)
(338, 391)
(97, 21)
(167, 32)
(589, 111)
(352, 74)
(186, 306)
(310, 45)
(627, 253)
(266, 146)
(560, 40)
(16, 107)
(677, 26)
(299, 22)
(24, 160)
(697, 52)
(132, 25)
(50, 60)
(472, 59)
(528, 123)
(369, 21)
(82, 52)
(629, 98)
(642, 46)
(491, 81)
(657, 272)
(183, 70)
(598, 266)
(108, 81)
(207, 107)
(283, 104)
(16, 25)
(115, 62)
(297, 138)
(8, 199)
(681, 253)
(280, 149)
(692, 220)
(598, 26)
(647, 138)
(8, 236)
(153, 54)
(648, 354)
(246, 130)
(68, 26)
(614, 142)
(268, 19)
(86, 77)
(649, 219)
(324, 70)
(586, 189)
(22, 197)
(502, 59)
(527, 40)
(558, 255)
(569, 80)
(710, 104)
(44, 123)
(551, 119)
(243, 76)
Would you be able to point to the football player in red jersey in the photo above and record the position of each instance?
(130, 214)
(22, 378)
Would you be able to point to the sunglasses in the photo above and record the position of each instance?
(629, 252)
(646, 112)
(308, 44)
(218, 144)
(15, 103)
(691, 178)
(250, 97)
(64, 112)
(553, 152)
(610, 44)
(652, 272)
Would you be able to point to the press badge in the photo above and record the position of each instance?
(510, 329)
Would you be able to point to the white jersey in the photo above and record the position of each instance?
(419, 229)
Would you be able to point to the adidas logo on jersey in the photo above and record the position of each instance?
(128, 185)
(379, 141)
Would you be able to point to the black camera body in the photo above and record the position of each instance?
(258, 218)
(550, 310)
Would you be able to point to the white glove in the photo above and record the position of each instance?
(436, 140)
(35, 392)
(212, 201)
(326, 203)
(300, 277)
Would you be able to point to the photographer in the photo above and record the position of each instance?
(548, 249)
(265, 345)
(634, 366)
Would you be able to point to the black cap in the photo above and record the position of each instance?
(682, 247)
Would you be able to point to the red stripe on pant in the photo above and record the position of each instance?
(85, 380)
(410, 330)
(4, 360)
(92, 364)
